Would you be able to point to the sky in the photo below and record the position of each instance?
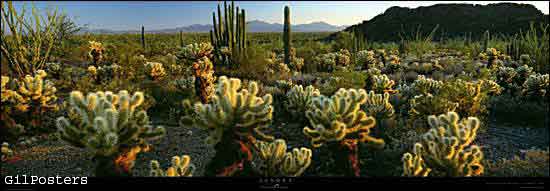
(130, 15)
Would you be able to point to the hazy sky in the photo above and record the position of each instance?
(127, 15)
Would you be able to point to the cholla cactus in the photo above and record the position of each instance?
(108, 124)
(180, 166)
(536, 86)
(505, 75)
(449, 146)
(53, 69)
(366, 59)
(339, 120)
(343, 57)
(337, 117)
(38, 93)
(285, 85)
(185, 83)
(7, 153)
(300, 100)
(235, 118)
(428, 104)
(423, 85)
(415, 165)
(383, 84)
(491, 55)
(203, 70)
(276, 161)
(156, 70)
(96, 52)
(378, 105)
(92, 70)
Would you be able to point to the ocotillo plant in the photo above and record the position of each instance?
(286, 35)
(229, 32)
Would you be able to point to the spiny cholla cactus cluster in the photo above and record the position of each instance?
(423, 85)
(366, 59)
(38, 93)
(11, 97)
(471, 96)
(203, 70)
(300, 100)
(180, 166)
(156, 70)
(378, 105)
(185, 83)
(382, 84)
(448, 146)
(96, 52)
(295, 64)
(505, 75)
(413, 164)
(276, 161)
(429, 104)
(492, 56)
(276, 65)
(536, 86)
(7, 153)
(107, 123)
(329, 61)
(53, 68)
(234, 109)
(339, 117)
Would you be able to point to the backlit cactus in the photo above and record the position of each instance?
(198, 55)
(276, 161)
(156, 70)
(180, 167)
(300, 100)
(429, 104)
(111, 125)
(366, 59)
(448, 146)
(7, 153)
(423, 85)
(382, 84)
(96, 52)
(378, 106)
(536, 86)
(235, 118)
(38, 93)
(413, 164)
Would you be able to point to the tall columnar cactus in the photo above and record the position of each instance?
(536, 86)
(340, 120)
(413, 164)
(180, 166)
(276, 161)
(449, 146)
(287, 37)
(112, 126)
(300, 100)
(143, 37)
(229, 33)
(198, 55)
(382, 84)
(235, 118)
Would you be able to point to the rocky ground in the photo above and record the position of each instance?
(52, 158)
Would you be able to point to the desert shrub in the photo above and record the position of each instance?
(531, 163)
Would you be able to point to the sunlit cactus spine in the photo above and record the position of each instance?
(379, 106)
(382, 84)
(340, 122)
(423, 85)
(300, 100)
(96, 52)
(413, 164)
(112, 126)
(423, 105)
(198, 55)
(448, 146)
(276, 161)
(536, 86)
(235, 119)
(287, 37)
(180, 167)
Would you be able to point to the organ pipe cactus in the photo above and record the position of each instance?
(413, 164)
(235, 118)
(276, 161)
(229, 32)
(112, 126)
(203, 70)
(300, 100)
(180, 166)
(339, 120)
(449, 145)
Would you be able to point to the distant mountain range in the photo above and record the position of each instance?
(252, 26)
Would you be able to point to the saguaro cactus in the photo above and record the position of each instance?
(287, 38)
(143, 37)
(339, 120)
(235, 118)
(110, 125)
